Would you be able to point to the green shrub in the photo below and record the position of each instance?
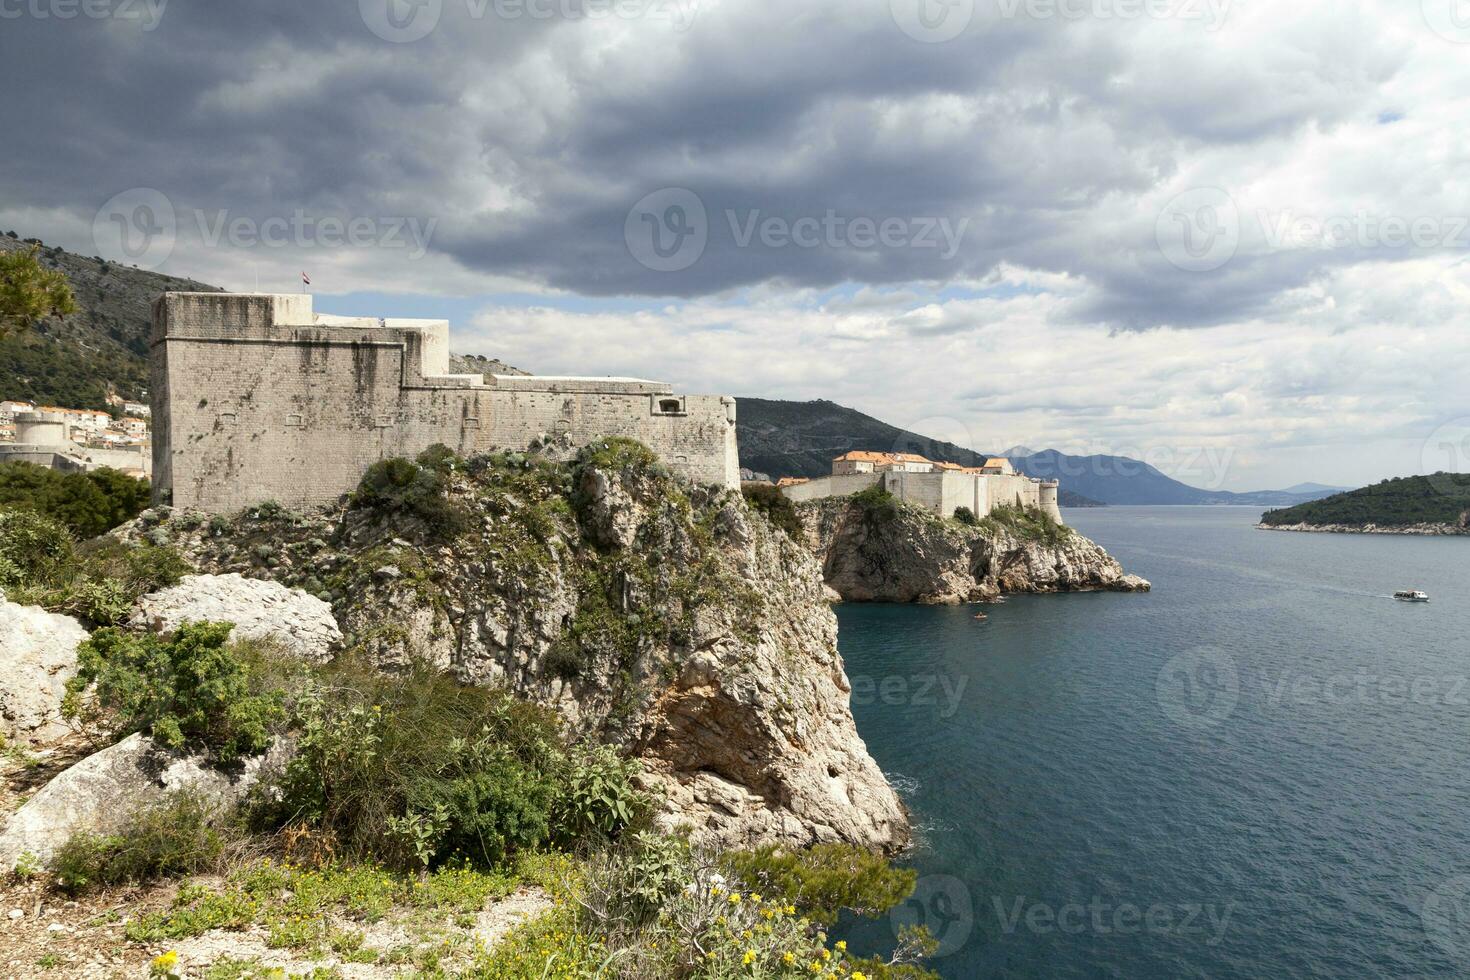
(878, 504)
(659, 908)
(617, 453)
(1027, 523)
(399, 488)
(597, 798)
(774, 506)
(32, 548)
(189, 690)
(109, 577)
(97, 581)
(171, 838)
(417, 769)
(826, 878)
(966, 516)
(88, 504)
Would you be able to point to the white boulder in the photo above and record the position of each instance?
(38, 655)
(258, 609)
(102, 791)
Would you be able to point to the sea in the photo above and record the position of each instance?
(1260, 769)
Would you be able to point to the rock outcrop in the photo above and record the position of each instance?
(260, 610)
(38, 655)
(102, 791)
(899, 553)
(666, 619)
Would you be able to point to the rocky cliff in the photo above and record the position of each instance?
(882, 551)
(666, 619)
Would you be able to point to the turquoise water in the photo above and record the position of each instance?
(1258, 770)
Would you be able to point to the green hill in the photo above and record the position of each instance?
(75, 361)
(1443, 498)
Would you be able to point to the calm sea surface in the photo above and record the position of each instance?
(1262, 769)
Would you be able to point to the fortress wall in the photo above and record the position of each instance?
(940, 493)
(832, 486)
(251, 406)
(697, 440)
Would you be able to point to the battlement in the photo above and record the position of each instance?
(258, 397)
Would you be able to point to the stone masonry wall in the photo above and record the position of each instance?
(940, 492)
(257, 398)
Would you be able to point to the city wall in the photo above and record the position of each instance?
(940, 492)
(256, 397)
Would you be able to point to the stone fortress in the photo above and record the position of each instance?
(256, 397)
(940, 488)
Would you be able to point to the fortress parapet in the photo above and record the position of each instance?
(257, 397)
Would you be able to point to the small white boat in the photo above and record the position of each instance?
(1410, 595)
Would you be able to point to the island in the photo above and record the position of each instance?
(1438, 504)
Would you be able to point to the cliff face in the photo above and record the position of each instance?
(901, 554)
(669, 620)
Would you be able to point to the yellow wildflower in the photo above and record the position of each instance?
(749, 957)
(734, 898)
(842, 945)
(788, 957)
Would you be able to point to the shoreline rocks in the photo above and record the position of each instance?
(1423, 530)
(908, 555)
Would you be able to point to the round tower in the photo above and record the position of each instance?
(1049, 500)
(40, 429)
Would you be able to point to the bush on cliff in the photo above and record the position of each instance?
(775, 507)
(89, 504)
(191, 690)
(826, 878)
(416, 770)
(659, 907)
(879, 506)
(171, 838)
(33, 548)
(418, 490)
(966, 516)
(1027, 523)
(97, 581)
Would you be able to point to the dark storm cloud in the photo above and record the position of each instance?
(529, 139)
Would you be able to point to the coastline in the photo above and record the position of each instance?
(1421, 530)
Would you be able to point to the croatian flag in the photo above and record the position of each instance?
(305, 279)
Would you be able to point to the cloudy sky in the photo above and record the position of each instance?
(1228, 236)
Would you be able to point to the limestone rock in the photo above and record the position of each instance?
(102, 791)
(665, 619)
(914, 556)
(258, 609)
(38, 655)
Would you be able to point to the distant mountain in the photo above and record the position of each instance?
(785, 438)
(1124, 481)
(76, 361)
(1443, 498)
(1317, 488)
